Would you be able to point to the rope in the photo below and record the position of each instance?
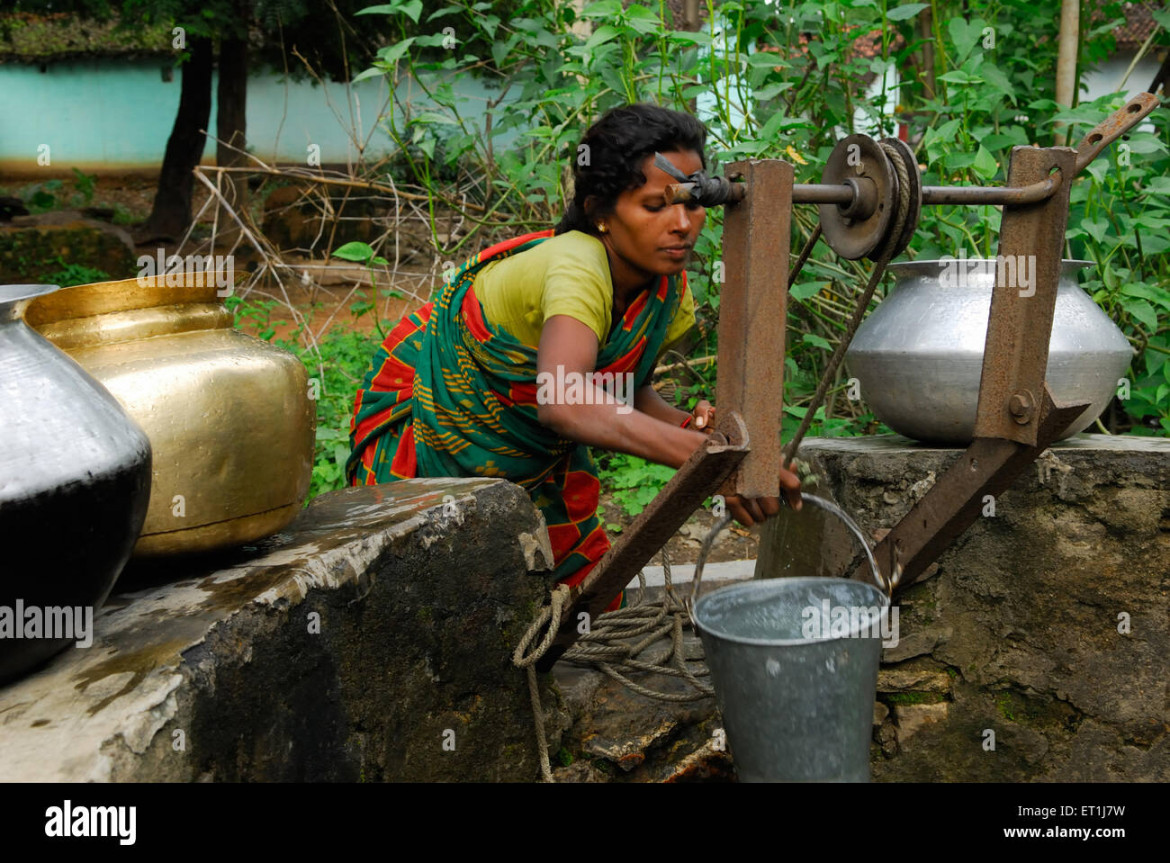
(608, 644)
(901, 213)
(804, 253)
(551, 612)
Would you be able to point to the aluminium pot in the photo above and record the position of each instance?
(918, 357)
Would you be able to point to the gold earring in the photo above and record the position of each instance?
(601, 228)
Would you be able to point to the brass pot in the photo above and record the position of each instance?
(228, 416)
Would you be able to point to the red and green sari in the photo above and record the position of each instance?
(449, 394)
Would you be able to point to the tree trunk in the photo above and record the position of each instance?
(1066, 63)
(231, 128)
(925, 26)
(171, 213)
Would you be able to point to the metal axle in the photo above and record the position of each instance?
(843, 195)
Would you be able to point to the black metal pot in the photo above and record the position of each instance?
(74, 486)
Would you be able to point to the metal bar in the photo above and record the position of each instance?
(803, 193)
(1097, 140)
(752, 317)
(1015, 357)
(1113, 127)
(992, 195)
(988, 467)
(818, 193)
(704, 472)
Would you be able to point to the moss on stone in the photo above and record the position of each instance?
(32, 254)
(915, 697)
(1003, 705)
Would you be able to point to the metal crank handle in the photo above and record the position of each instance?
(1114, 127)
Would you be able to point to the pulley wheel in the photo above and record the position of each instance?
(915, 209)
(859, 229)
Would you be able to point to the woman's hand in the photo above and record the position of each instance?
(752, 511)
(704, 414)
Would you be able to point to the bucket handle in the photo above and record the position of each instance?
(828, 506)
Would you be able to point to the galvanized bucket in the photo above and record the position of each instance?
(794, 665)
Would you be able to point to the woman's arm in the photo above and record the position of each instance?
(568, 352)
(649, 402)
(568, 348)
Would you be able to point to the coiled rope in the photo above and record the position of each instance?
(615, 642)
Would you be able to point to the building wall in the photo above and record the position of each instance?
(115, 115)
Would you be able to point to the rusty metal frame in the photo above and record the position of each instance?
(1015, 355)
(1017, 416)
(753, 315)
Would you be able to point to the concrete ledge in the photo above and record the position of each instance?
(369, 641)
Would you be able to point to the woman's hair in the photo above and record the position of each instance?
(609, 159)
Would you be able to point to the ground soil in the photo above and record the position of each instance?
(735, 543)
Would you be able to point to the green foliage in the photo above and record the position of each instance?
(124, 217)
(361, 253)
(1120, 219)
(49, 195)
(787, 80)
(633, 481)
(43, 31)
(69, 274)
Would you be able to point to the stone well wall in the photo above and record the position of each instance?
(1047, 624)
(370, 641)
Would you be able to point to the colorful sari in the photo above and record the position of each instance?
(449, 394)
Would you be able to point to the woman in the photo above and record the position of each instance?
(499, 376)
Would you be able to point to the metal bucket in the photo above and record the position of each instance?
(796, 686)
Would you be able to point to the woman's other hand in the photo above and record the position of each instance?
(752, 511)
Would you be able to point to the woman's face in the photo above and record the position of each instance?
(647, 237)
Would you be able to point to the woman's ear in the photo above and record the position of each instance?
(594, 214)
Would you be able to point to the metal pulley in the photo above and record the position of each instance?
(862, 227)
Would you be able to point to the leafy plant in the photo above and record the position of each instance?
(85, 185)
(69, 274)
(45, 196)
(634, 482)
(363, 253)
